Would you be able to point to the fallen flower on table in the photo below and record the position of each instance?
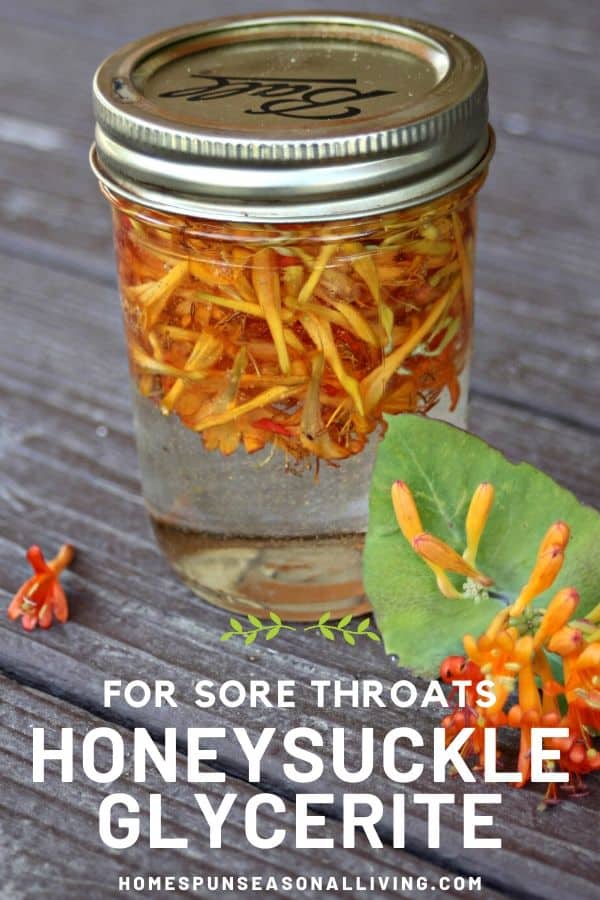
(41, 599)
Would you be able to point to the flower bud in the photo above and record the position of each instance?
(477, 516)
(558, 534)
(514, 716)
(441, 554)
(497, 624)
(529, 697)
(471, 647)
(451, 668)
(561, 608)
(405, 508)
(547, 566)
(524, 650)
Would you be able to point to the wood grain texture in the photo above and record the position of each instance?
(50, 841)
(538, 335)
(557, 54)
(63, 478)
(72, 662)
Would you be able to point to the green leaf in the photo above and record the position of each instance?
(443, 465)
(324, 618)
(373, 635)
(344, 621)
(363, 625)
(327, 633)
(349, 638)
(236, 625)
(227, 635)
(275, 618)
(272, 632)
(254, 620)
(250, 638)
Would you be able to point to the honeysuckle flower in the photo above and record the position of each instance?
(492, 552)
(405, 508)
(512, 654)
(409, 521)
(548, 564)
(442, 558)
(456, 668)
(477, 516)
(439, 556)
(495, 654)
(529, 702)
(565, 641)
(41, 598)
(582, 685)
(577, 755)
(559, 611)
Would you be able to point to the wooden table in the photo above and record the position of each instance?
(69, 464)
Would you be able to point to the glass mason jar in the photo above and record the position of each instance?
(295, 259)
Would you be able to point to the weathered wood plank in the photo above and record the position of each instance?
(130, 639)
(528, 85)
(50, 840)
(59, 474)
(540, 23)
(68, 456)
(543, 25)
(554, 53)
(539, 200)
(541, 204)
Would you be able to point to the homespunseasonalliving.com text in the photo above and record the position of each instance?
(324, 884)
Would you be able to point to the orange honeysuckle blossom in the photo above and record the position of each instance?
(513, 652)
(41, 598)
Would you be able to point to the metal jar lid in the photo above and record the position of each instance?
(291, 117)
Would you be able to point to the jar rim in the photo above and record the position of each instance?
(230, 211)
(233, 119)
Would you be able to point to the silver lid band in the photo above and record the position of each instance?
(232, 119)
